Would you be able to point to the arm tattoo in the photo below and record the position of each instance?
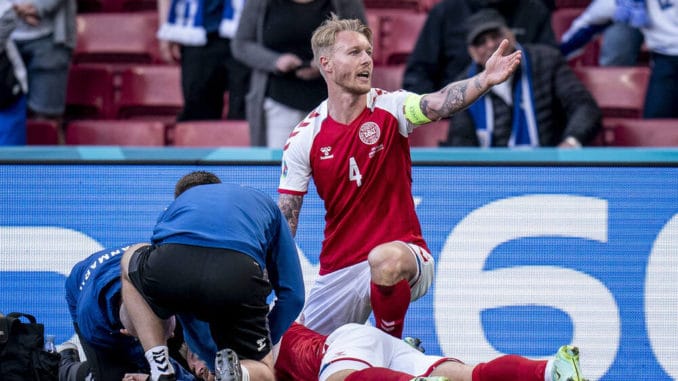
(290, 205)
(477, 84)
(454, 95)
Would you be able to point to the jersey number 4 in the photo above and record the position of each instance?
(354, 172)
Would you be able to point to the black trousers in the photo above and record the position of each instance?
(224, 288)
(207, 72)
(107, 365)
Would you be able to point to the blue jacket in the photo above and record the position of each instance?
(93, 294)
(245, 220)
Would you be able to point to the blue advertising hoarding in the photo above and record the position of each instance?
(529, 257)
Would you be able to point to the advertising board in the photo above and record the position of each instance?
(528, 257)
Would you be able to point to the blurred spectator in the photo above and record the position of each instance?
(440, 53)
(198, 34)
(658, 21)
(46, 37)
(543, 104)
(12, 82)
(620, 45)
(274, 39)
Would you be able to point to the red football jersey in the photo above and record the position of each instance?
(363, 173)
(300, 355)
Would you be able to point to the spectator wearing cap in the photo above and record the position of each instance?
(440, 54)
(542, 105)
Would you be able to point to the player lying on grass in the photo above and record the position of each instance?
(356, 352)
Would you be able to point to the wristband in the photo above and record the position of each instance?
(413, 111)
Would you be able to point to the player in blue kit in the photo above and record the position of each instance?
(217, 252)
(93, 294)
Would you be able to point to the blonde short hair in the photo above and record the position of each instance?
(325, 35)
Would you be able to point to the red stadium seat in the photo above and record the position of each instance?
(388, 77)
(571, 3)
(426, 5)
(619, 91)
(398, 33)
(42, 132)
(374, 22)
(149, 91)
(90, 92)
(561, 20)
(117, 38)
(116, 132)
(430, 135)
(217, 133)
(625, 132)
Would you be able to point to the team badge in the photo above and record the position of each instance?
(369, 133)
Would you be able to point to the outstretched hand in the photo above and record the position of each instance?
(499, 67)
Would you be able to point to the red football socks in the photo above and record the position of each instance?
(510, 368)
(389, 304)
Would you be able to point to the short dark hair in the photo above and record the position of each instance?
(194, 179)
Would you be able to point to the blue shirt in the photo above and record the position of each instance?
(93, 294)
(245, 220)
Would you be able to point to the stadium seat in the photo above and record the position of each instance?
(619, 91)
(117, 38)
(561, 20)
(388, 77)
(398, 33)
(571, 3)
(430, 135)
(626, 132)
(90, 92)
(602, 138)
(426, 5)
(374, 22)
(116, 132)
(217, 133)
(149, 91)
(42, 132)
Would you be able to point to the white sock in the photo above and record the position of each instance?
(548, 370)
(158, 359)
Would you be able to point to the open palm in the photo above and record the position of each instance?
(499, 67)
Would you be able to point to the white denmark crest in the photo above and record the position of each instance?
(369, 133)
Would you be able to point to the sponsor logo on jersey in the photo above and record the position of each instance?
(261, 344)
(326, 153)
(369, 133)
(374, 150)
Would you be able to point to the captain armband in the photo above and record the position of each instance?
(413, 111)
